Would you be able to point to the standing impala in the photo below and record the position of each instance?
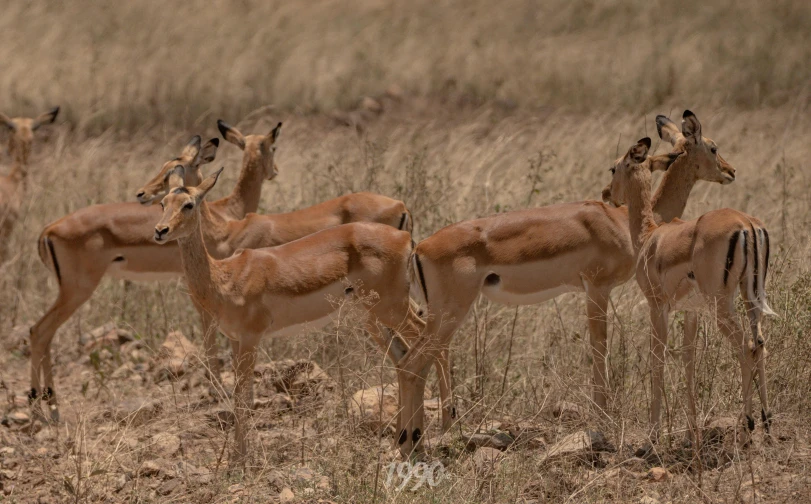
(530, 256)
(277, 290)
(12, 186)
(705, 261)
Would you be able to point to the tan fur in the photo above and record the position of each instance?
(538, 254)
(709, 259)
(13, 186)
(262, 292)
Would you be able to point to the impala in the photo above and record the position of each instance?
(530, 256)
(81, 248)
(13, 186)
(278, 290)
(705, 261)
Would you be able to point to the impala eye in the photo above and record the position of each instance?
(188, 206)
(714, 150)
(612, 170)
(161, 203)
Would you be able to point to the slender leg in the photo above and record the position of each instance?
(210, 342)
(443, 374)
(760, 355)
(243, 397)
(689, 359)
(41, 335)
(658, 316)
(728, 324)
(597, 311)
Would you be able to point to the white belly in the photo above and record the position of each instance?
(496, 294)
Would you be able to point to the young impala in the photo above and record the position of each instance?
(277, 290)
(13, 186)
(530, 256)
(705, 261)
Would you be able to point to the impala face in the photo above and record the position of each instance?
(702, 152)
(635, 163)
(22, 130)
(186, 168)
(181, 214)
(258, 148)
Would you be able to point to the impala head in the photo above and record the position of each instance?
(181, 210)
(635, 165)
(182, 170)
(21, 133)
(257, 148)
(701, 152)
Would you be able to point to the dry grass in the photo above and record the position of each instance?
(505, 106)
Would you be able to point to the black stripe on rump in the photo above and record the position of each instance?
(756, 265)
(422, 277)
(733, 240)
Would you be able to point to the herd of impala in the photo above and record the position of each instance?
(252, 275)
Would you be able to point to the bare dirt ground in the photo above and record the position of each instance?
(469, 110)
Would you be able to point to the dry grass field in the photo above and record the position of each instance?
(478, 108)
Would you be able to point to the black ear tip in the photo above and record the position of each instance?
(215, 141)
(687, 113)
(222, 127)
(54, 112)
(279, 125)
(645, 141)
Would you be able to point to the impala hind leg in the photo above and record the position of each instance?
(41, 335)
(759, 355)
(445, 378)
(658, 316)
(728, 324)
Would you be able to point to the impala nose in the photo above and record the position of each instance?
(160, 232)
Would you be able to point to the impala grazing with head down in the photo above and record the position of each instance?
(12, 186)
(282, 289)
(530, 256)
(704, 262)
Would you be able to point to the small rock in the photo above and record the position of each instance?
(376, 408)
(120, 481)
(286, 495)
(278, 402)
(275, 480)
(579, 443)
(648, 500)
(498, 440)
(236, 488)
(96, 334)
(19, 417)
(310, 478)
(370, 104)
(168, 487)
(165, 445)
(176, 356)
(657, 474)
(149, 468)
(123, 371)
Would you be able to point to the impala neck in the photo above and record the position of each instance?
(671, 196)
(244, 199)
(18, 176)
(198, 266)
(640, 209)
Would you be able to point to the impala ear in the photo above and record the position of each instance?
(639, 152)
(192, 149)
(274, 134)
(208, 183)
(668, 130)
(208, 152)
(663, 161)
(176, 177)
(8, 123)
(690, 127)
(45, 118)
(231, 134)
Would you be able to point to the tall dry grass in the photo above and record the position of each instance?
(505, 106)
(154, 63)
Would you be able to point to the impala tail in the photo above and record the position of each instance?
(47, 254)
(756, 249)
